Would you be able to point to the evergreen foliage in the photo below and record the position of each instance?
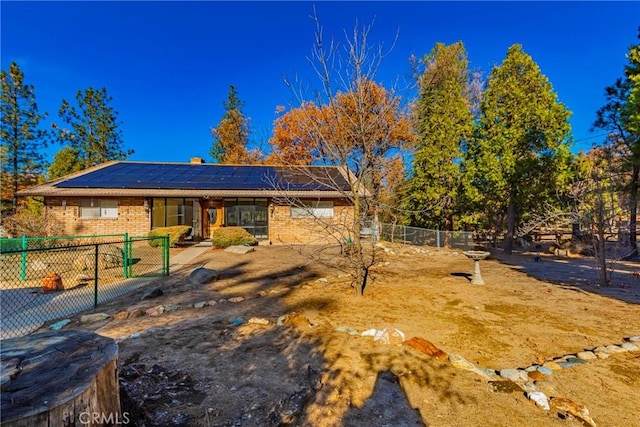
(22, 140)
(520, 149)
(231, 136)
(94, 131)
(443, 122)
(620, 116)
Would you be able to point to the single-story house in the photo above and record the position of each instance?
(273, 203)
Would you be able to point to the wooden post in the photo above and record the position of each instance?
(60, 378)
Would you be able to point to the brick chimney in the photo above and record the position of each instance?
(197, 160)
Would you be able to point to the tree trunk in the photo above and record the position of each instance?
(60, 378)
(633, 212)
(511, 226)
(599, 245)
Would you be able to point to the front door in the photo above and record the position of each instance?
(196, 221)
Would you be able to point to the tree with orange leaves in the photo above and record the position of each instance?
(231, 136)
(356, 124)
(295, 139)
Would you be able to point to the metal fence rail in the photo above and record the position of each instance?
(462, 240)
(90, 274)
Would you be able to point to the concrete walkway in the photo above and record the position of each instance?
(24, 311)
(186, 257)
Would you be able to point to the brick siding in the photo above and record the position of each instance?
(132, 217)
(283, 228)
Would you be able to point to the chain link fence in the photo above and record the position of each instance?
(462, 240)
(43, 279)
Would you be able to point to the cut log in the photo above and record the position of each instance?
(60, 378)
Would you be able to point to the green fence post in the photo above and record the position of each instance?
(130, 254)
(95, 278)
(166, 254)
(23, 262)
(125, 255)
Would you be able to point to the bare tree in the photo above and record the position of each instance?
(355, 129)
(592, 201)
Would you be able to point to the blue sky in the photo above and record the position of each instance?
(168, 65)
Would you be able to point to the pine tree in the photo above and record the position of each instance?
(620, 116)
(95, 131)
(443, 121)
(231, 136)
(22, 141)
(66, 161)
(521, 141)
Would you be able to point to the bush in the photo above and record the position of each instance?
(176, 234)
(231, 236)
(31, 223)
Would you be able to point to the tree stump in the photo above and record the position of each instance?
(60, 378)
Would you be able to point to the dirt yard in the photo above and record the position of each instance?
(211, 359)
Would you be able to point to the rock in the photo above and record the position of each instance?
(59, 325)
(86, 318)
(540, 398)
(635, 338)
(171, 307)
(502, 386)
(576, 409)
(322, 280)
(212, 302)
(152, 293)
(346, 329)
(586, 355)
(614, 349)
(200, 304)
(552, 365)
(237, 321)
(426, 347)
(121, 315)
(571, 362)
(136, 312)
(605, 351)
(203, 276)
(460, 362)
(629, 346)
(155, 311)
(386, 335)
(536, 375)
(240, 249)
(515, 375)
(236, 299)
(258, 321)
(487, 373)
(545, 370)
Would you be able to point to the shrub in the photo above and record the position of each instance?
(231, 236)
(176, 233)
(31, 223)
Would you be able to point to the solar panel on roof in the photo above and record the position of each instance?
(205, 177)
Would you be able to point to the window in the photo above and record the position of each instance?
(167, 212)
(248, 213)
(315, 209)
(98, 208)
